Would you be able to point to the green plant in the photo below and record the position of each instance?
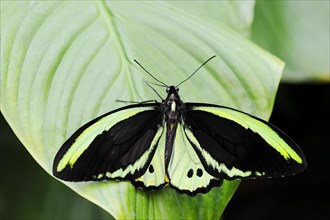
(64, 63)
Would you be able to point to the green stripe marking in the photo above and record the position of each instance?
(268, 134)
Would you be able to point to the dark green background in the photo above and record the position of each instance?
(302, 111)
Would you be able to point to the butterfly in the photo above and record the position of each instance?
(192, 147)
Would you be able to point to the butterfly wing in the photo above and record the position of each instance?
(117, 145)
(185, 169)
(232, 144)
(155, 176)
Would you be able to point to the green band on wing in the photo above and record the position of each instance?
(87, 136)
(246, 121)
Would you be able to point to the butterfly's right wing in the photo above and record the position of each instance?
(118, 145)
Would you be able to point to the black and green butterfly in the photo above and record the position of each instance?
(190, 146)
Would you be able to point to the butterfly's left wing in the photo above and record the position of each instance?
(118, 145)
(233, 145)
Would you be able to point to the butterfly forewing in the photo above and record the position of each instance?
(232, 144)
(117, 145)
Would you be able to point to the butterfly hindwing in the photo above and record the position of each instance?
(185, 169)
(232, 144)
(117, 145)
(154, 177)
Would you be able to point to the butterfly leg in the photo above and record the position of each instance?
(135, 102)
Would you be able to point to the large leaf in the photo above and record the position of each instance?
(298, 32)
(66, 62)
(238, 15)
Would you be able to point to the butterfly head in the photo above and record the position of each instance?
(172, 89)
(172, 94)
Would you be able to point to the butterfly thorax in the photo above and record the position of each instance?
(172, 106)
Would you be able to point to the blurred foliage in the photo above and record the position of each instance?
(298, 32)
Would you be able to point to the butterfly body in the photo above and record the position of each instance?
(171, 110)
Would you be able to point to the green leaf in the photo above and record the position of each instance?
(298, 32)
(65, 62)
(238, 15)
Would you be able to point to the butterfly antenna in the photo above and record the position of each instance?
(197, 70)
(156, 84)
(153, 89)
(150, 74)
